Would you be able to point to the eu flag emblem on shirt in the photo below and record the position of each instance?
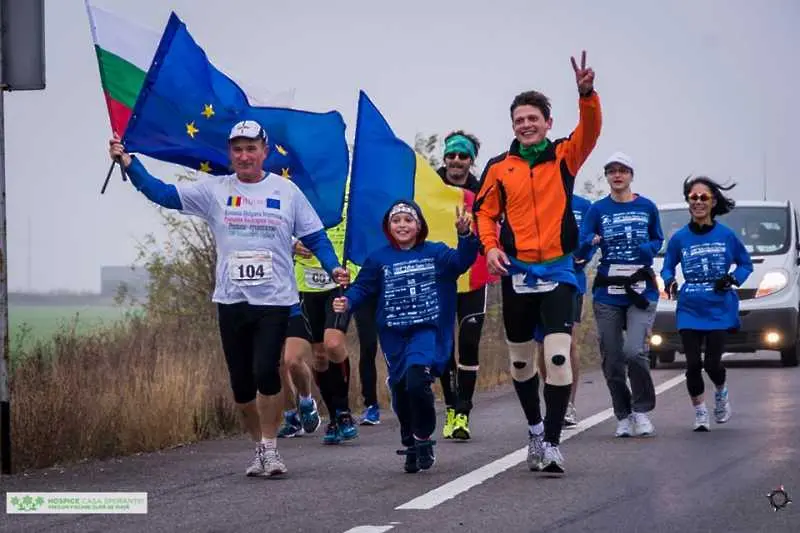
(273, 203)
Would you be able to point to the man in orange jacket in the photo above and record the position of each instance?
(528, 189)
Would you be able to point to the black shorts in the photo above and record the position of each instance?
(549, 312)
(252, 340)
(317, 316)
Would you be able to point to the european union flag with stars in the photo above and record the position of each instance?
(187, 107)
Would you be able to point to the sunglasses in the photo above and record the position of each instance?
(699, 197)
(458, 155)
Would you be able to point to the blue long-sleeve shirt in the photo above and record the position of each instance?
(155, 190)
(631, 236)
(706, 256)
(580, 206)
(416, 291)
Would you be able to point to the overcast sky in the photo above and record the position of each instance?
(686, 86)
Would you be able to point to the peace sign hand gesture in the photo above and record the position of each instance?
(584, 76)
(463, 221)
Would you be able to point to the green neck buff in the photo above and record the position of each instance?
(532, 153)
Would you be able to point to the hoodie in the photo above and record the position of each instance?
(416, 292)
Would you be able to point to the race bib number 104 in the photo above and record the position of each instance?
(250, 268)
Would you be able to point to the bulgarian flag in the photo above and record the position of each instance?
(124, 52)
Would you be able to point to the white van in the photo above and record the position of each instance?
(768, 300)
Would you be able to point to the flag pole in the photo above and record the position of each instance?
(124, 174)
(108, 177)
(340, 293)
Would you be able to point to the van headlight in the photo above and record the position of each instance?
(772, 282)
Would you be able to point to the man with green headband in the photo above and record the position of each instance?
(458, 380)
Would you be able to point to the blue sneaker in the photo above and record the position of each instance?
(371, 416)
(291, 425)
(309, 416)
(347, 427)
(332, 435)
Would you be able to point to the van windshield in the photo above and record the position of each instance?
(762, 230)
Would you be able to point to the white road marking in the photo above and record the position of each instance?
(449, 490)
(371, 529)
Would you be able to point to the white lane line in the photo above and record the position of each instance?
(370, 529)
(449, 490)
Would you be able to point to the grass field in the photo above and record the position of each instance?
(29, 323)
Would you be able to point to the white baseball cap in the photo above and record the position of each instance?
(248, 129)
(621, 158)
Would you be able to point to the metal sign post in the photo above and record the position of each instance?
(21, 68)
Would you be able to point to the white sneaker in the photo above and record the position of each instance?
(624, 427)
(273, 465)
(571, 417)
(256, 467)
(701, 422)
(642, 427)
(722, 406)
(535, 451)
(553, 462)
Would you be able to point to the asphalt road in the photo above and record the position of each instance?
(677, 480)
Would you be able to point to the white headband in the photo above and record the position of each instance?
(404, 208)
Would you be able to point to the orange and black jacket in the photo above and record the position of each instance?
(533, 202)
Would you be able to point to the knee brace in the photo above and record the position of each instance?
(556, 359)
(523, 366)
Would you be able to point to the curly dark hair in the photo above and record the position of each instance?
(724, 204)
(534, 98)
(475, 142)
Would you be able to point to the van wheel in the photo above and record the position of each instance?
(663, 356)
(789, 356)
(667, 357)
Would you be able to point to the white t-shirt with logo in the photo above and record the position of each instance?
(253, 225)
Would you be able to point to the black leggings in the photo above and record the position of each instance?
(368, 346)
(712, 362)
(413, 402)
(458, 387)
(252, 339)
